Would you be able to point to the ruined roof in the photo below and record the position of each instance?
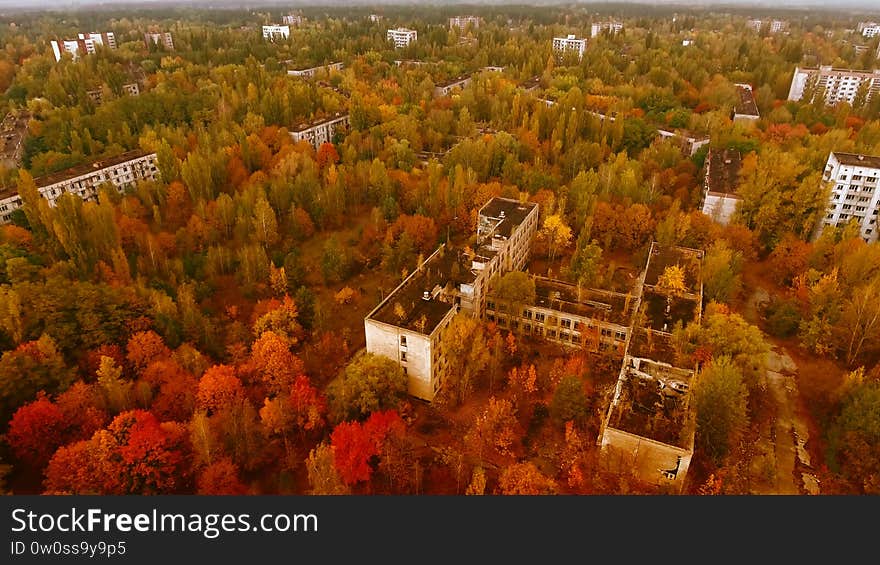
(746, 105)
(585, 302)
(856, 160)
(510, 212)
(457, 80)
(304, 126)
(722, 171)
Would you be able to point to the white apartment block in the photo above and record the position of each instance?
(611, 27)
(273, 32)
(854, 194)
(401, 36)
(869, 29)
(774, 26)
(564, 45)
(322, 131)
(837, 85)
(123, 171)
(312, 71)
(162, 39)
(407, 325)
(292, 20)
(462, 22)
(84, 44)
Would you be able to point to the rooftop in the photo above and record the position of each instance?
(302, 126)
(857, 160)
(456, 80)
(722, 175)
(586, 302)
(79, 170)
(746, 105)
(531, 83)
(665, 256)
(510, 213)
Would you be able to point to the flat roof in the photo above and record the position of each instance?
(746, 105)
(722, 176)
(456, 80)
(664, 256)
(858, 160)
(510, 212)
(302, 126)
(79, 170)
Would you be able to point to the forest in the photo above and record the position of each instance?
(203, 333)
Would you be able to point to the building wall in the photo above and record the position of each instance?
(275, 32)
(563, 44)
(720, 207)
(854, 194)
(837, 85)
(401, 38)
(647, 459)
(415, 356)
(321, 133)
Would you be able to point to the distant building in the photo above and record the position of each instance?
(407, 325)
(292, 20)
(131, 89)
(562, 45)
(13, 132)
(869, 29)
(854, 181)
(375, 18)
(447, 87)
(462, 22)
(401, 36)
(122, 171)
(745, 108)
(163, 39)
(273, 32)
(773, 26)
(836, 85)
(312, 71)
(321, 131)
(689, 142)
(720, 184)
(84, 44)
(687, 42)
(531, 84)
(611, 27)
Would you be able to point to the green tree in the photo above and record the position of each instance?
(369, 383)
(570, 401)
(467, 355)
(720, 399)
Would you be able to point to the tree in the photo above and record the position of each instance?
(44, 368)
(220, 478)
(586, 262)
(859, 325)
(525, 478)
(720, 270)
(855, 435)
(334, 262)
(355, 444)
(672, 281)
(368, 383)
(517, 289)
(556, 233)
(265, 223)
(570, 401)
(275, 366)
(282, 319)
(323, 476)
(36, 430)
(720, 398)
(464, 346)
(493, 430)
(145, 347)
(219, 388)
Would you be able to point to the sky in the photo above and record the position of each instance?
(872, 5)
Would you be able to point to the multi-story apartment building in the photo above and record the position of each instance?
(312, 71)
(869, 29)
(720, 183)
(611, 27)
(122, 171)
(447, 87)
(462, 22)
(773, 26)
(131, 89)
(407, 325)
(274, 31)
(84, 44)
(162, 39)
(562, 45)
(836, 85)
(745, 109)
(292, 20)
(401, 36)
(321, 131)
(855, 192)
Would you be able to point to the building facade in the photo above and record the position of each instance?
(869, 29)
(273, 32)
(322, 131)
(854, 181)
(84, 44)
(836, 85)
(570, 43)
(122, 171)
(401, 36)
(446, 88)
(162, 39)
(292, 20)
(310, 72)
(462, 22)
(407, 326)
(720, 183)
(773, 26)
(611, 27)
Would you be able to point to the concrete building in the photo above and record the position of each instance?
(292, 20)
(321, 131)
(562, 45)
(648, 429)
(13, 132)
(312, 71)
(447, 87)
(720, 184)
(690, 142)
(407, 325)
(131, 89)
(401, 36)
(854, 181)
(532, 84)
(773, 26)
(610, 27)
(375, 18)
(745, 109)
(274, 31)
(836, 85)
(163, 39)
(122, 171)
(462, 22)
(84, 44)
(869, 29)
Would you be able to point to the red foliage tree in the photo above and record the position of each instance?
(355, 444)
(220, 477)
(145, 347)
(36, 431)
(218, 388)
(421, 230)
(275, 367)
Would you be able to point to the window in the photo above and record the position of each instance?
(565, 323)
(564, 336)
(576, 326)
(403, 356)
(539, 317)
(551, 333)
(527, 314)
(490, 305)
(403, 340)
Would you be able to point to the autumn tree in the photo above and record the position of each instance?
(36, 430)
(323, 476)
(44, 368)
(218, 388)
(585, 266)
(720, 399)
(273, 364)
(556, 233)
(570, 401)
(368, 383)
(464, 346)
(525, 478)
(493, 430)
(220, 478)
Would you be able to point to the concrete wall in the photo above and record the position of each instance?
(414, 357)
(646, 459)
(720, 207)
